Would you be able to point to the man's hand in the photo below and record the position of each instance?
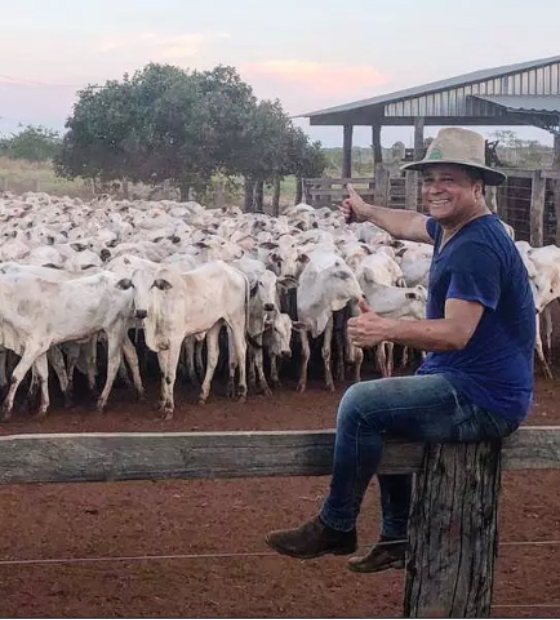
(353, 208)
(368, 329)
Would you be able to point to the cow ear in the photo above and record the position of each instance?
(163, 285)
(411, 295)
(254, 289)
(124, 284)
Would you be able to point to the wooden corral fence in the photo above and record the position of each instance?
(453, 526)
(529, 200)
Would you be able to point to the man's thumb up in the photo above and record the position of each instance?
(363, 305)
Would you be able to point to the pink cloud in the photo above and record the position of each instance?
(306, 85)
(324, 80)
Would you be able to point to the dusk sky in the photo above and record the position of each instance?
(310, 54)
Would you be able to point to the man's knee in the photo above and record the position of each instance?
(354, 401)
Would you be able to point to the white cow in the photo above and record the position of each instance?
(326, 285)
(71, 310)
(175, 305)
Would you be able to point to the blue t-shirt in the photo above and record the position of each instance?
(481, 263)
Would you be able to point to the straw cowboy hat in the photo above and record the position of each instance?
(454, 145)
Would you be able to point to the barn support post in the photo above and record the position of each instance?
(376, 145)
(537, 208)
(347, 151)
(411, 177)
(556, 185)
(453, 532)
(418, 137)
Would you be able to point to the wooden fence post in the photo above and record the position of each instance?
(491, 198)
(556, 202)
(502, 201)
(453, 532)
(411, 190)
(537, 208)
(381, 187)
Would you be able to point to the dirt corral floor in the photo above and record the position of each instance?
(218, 527)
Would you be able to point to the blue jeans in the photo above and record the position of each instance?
(420, 408)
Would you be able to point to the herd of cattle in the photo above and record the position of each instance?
(196, 286)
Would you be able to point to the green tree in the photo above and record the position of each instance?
(33, 143)
(163, 123)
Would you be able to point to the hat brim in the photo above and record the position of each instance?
(490, 176)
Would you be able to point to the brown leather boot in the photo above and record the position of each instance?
(382, 556)
(312, 540)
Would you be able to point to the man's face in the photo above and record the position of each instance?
(449, 193)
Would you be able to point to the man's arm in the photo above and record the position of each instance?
(398, 223)
(451, 333)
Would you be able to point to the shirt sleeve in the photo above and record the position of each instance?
(431, 228)
(475, 275)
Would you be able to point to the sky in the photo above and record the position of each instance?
(310, 54)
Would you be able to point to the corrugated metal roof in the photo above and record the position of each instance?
(467, 78)
(524, 103)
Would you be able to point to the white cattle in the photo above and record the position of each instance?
(69, 311)
(264, 307)
(173, 306)
(399, 303)
(326, 285)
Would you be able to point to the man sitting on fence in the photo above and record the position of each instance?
(476, 383)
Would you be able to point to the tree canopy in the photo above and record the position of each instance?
(32, 143)
(168, 123)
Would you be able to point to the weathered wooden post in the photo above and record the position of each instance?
(381, 187)
(556, 184)
(453, 534)
(537, 208)
(491, 198)
(347, 151)
(411, 190)
(502, 201)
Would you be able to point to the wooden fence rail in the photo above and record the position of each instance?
(453, 526)
(529, 200)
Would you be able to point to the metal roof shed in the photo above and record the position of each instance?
(526, 93)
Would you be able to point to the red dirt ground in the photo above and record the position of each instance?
(224, 523)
